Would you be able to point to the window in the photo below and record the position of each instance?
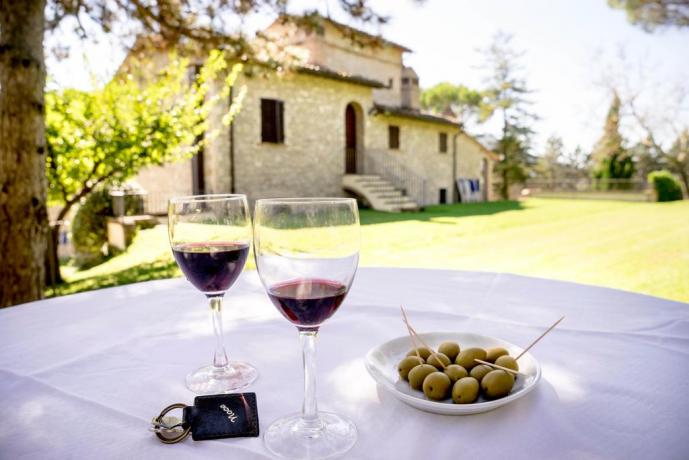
(442, 199)
(394, 137)
(272, 121)
(405, 81)
(442, 142)
(390, 81)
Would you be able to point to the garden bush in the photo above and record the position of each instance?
(667, 187)
(89, 228)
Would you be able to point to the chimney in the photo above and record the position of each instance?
(410, 89)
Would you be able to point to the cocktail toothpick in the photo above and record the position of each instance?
(413, 332)
(413, 340)
(539, 338)
(506, 369)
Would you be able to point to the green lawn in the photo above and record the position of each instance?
(642, 247)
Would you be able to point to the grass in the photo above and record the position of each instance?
(641, 247)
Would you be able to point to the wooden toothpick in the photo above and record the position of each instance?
(506, 369)
(433, 353)
(413, 332)
(411, 335)
(539, 338)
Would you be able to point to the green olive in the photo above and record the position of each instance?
(508, 362)
(466, 357)
(436, 359)
(494, 353)
(455, 372)
(436, 386)
(450, 349)
(407, 364)
(418, 374)
(496, 384)
(423, 351)
(480, 371)
(465, 390)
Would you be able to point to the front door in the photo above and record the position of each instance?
(350, 140)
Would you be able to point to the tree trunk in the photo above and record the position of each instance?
(52, 261)
(23, 216)
(505, 186)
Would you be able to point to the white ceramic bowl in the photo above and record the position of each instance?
(381, 363)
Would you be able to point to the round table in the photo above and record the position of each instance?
(81, 376)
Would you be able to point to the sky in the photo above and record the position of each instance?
(569, 47)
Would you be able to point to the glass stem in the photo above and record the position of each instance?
(309, 411)
(219, 357)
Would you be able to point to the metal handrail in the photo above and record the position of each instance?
(384, 164)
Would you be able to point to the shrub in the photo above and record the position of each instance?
(667, 187)
(89, 228)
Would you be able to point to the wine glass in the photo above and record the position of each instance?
(307, 252)
(210, 236)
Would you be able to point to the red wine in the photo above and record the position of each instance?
(307, 302)
(211, 267)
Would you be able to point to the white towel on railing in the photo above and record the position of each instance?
(469, 190)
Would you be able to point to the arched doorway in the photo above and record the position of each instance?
(354, 139)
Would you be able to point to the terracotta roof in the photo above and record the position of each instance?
(324, 72)
(404, 112)
(344, 28)
(341, 26)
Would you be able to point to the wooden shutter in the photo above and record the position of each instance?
(442, 142)
(280, 121)
(272, 121)
(394, 137)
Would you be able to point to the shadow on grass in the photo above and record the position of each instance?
(159, 269)
(369, 216)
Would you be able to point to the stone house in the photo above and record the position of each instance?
(345, 121)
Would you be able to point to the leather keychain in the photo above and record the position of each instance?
(211, 417)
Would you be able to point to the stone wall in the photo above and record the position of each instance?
(471, 162)
(337, 52)
(420, 151)
(311, 161)
(166, 181)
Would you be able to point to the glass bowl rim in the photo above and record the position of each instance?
(210, 197)
(305, 200)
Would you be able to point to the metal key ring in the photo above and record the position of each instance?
(179, 437)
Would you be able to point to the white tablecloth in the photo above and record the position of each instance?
(81, 376)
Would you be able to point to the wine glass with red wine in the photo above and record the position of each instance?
(210, 236)
(307, 252)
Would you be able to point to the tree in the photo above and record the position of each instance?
(23, 216)
(650, 14)
(678, 159)
(551, 164)
(646, 160)
(675, 158)
(505, 97)
(612, 159)
(577, 163)
(459, 100)
(106, 136)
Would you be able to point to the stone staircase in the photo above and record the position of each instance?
(380, 194)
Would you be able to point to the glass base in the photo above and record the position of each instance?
(328, 437)
(213, 380)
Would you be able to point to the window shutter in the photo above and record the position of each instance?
(272, 121)
(393, 137)
(279, 122)
(442, 140)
